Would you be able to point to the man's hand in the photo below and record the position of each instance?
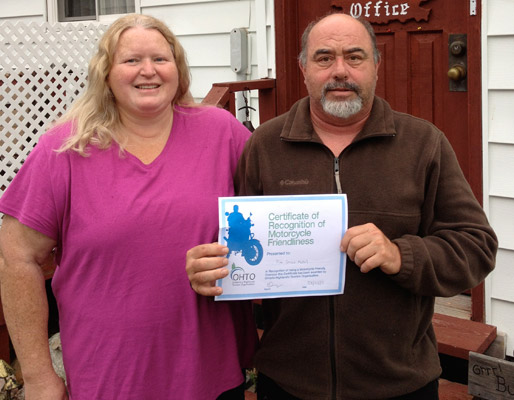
(204, 266)
(369, 248)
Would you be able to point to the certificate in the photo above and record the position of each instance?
(283, 246)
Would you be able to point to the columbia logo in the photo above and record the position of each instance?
(290, 182)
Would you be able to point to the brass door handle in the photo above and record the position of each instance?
(457, 72)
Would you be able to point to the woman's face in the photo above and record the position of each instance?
(143, 77)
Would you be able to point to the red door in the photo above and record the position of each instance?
(422, 42)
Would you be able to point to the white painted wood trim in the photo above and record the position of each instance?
(485, 145)
(261, 33)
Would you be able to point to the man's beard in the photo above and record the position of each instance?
(341, 108)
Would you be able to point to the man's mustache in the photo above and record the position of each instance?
(341, 85)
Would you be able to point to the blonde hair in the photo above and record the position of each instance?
(94, 116)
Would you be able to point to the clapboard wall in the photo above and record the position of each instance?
(498, 134)
(26, 10)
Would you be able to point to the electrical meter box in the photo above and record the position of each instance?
(239, 50)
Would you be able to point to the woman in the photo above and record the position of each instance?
(121, 188)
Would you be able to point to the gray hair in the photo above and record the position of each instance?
(302, 57)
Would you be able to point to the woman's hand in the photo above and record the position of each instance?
(204, 266)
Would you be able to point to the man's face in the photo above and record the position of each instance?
(340, 72)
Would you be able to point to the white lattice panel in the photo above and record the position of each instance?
(43, 68)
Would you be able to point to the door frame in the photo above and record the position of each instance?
(289, 78)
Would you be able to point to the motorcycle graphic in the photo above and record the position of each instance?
(240, 238)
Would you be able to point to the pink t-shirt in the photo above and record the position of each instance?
(131, 327)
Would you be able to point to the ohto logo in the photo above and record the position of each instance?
(239, 274)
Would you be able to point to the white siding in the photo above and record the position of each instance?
(501, 117)
(501, 216)
(214, 48)
(26, 19)
(198, 18)
(503, 277)
(499, 16)
(498, 121)
(204, 77)
(29, 10)
(501, 56)
(501, 164)
(154, 3)
(503, 319)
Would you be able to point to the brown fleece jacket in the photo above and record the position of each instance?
(376, 340)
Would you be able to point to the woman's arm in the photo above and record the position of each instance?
(23, 250)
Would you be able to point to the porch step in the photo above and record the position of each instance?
(456, 337)
(447, 391)
(453, 391)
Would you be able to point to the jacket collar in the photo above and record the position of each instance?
(298, 125)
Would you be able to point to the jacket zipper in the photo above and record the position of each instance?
(336, 175)
(332, 306)
(332, 348)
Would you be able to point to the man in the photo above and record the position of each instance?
(416, 230)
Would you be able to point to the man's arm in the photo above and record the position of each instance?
(455, 246)
(25, 305)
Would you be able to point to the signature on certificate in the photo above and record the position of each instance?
(273, 284)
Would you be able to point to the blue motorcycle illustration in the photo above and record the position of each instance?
(241, 239)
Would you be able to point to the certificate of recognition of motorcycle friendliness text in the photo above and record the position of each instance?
(283, 246)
